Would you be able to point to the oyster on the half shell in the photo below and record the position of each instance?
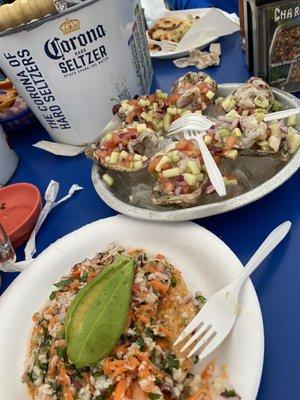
(179, 175)
(125, 149)
(255, 94)
(196, 91)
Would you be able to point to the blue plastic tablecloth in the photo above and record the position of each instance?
(227, 5)
(276, 282)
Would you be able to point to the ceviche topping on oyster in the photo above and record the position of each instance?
(233, 133)
(196, 91)
(179, 174)
(252, 95)
(144, 364)
(156, 110)
(125, 149)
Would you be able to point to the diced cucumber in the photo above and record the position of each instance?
(232, 114)
(108, 179)
(292, 120)
(167, 122)
(229, 182)
(137, 157)
(210, 94)
(207, 139)
(274, 142)
(199, 177)
(231, 154)
(261, 101)
(207, 80)
(276, 106)
(138, 164)
(162, 95)
(164, 160)
(184, 112)
(172, 110)
(223, 132)
(123, 154)
(171, 173)
(236, 132)
(107, 159)
(175, 156)
(275, 129)
(228, 103)
(293, 141)
(114, 157)
(144, 103)
(264, 145)
(260, 116)
(190, 179)
(141, 128)
(108, 136)
(193, 167)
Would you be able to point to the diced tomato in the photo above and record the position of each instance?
(230, 142)
(185, 188)
(153, 163)
(185, 145)
(134, 102)
(130, 116)
(167, 185)
(173, 98)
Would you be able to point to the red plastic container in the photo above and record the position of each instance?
(20, 207)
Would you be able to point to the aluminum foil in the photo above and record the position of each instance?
(257, 176)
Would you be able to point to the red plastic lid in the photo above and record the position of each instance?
(20, 206)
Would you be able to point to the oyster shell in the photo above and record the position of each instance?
(196, 91)
(174, 190)
(125, 149)
(253, 94)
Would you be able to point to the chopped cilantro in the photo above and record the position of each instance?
(172, 362)
(109, 390)
(52, 295)
(63, 283)
(99, 398)
(196, 359)
(201, 299)
(56, 387)
(140, 341)
(152, 321)
(153, 396)
(84, 276)
(44, 367)
(60, 335)
(228, 393)
(61, 351)
(30, 376)
(149, 332)
(173, 281)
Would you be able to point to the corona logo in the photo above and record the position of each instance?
(69, 26)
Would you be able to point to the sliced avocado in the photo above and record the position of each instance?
(98, 318)
(119, 261)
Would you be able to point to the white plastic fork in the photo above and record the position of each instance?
(165, 45)
(191, 121)
(217, 317)
(212, 169)
(281, 114)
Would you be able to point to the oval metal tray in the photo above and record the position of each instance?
(117, 196)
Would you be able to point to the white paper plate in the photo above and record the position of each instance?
(197, 12)
(206, 262)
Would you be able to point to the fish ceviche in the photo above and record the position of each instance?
(196, 91)
(179, 173)
(143, 364)
(156, 110)
(250, 135)
(125, 149)
(255, 94)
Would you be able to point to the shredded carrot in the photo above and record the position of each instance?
(128, 320)
(159, 286)
(165, 331)
(120, 390)
(163, 344)
(160, 257)
(230, 142)
(199, 395)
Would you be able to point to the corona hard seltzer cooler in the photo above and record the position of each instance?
(72, 67)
